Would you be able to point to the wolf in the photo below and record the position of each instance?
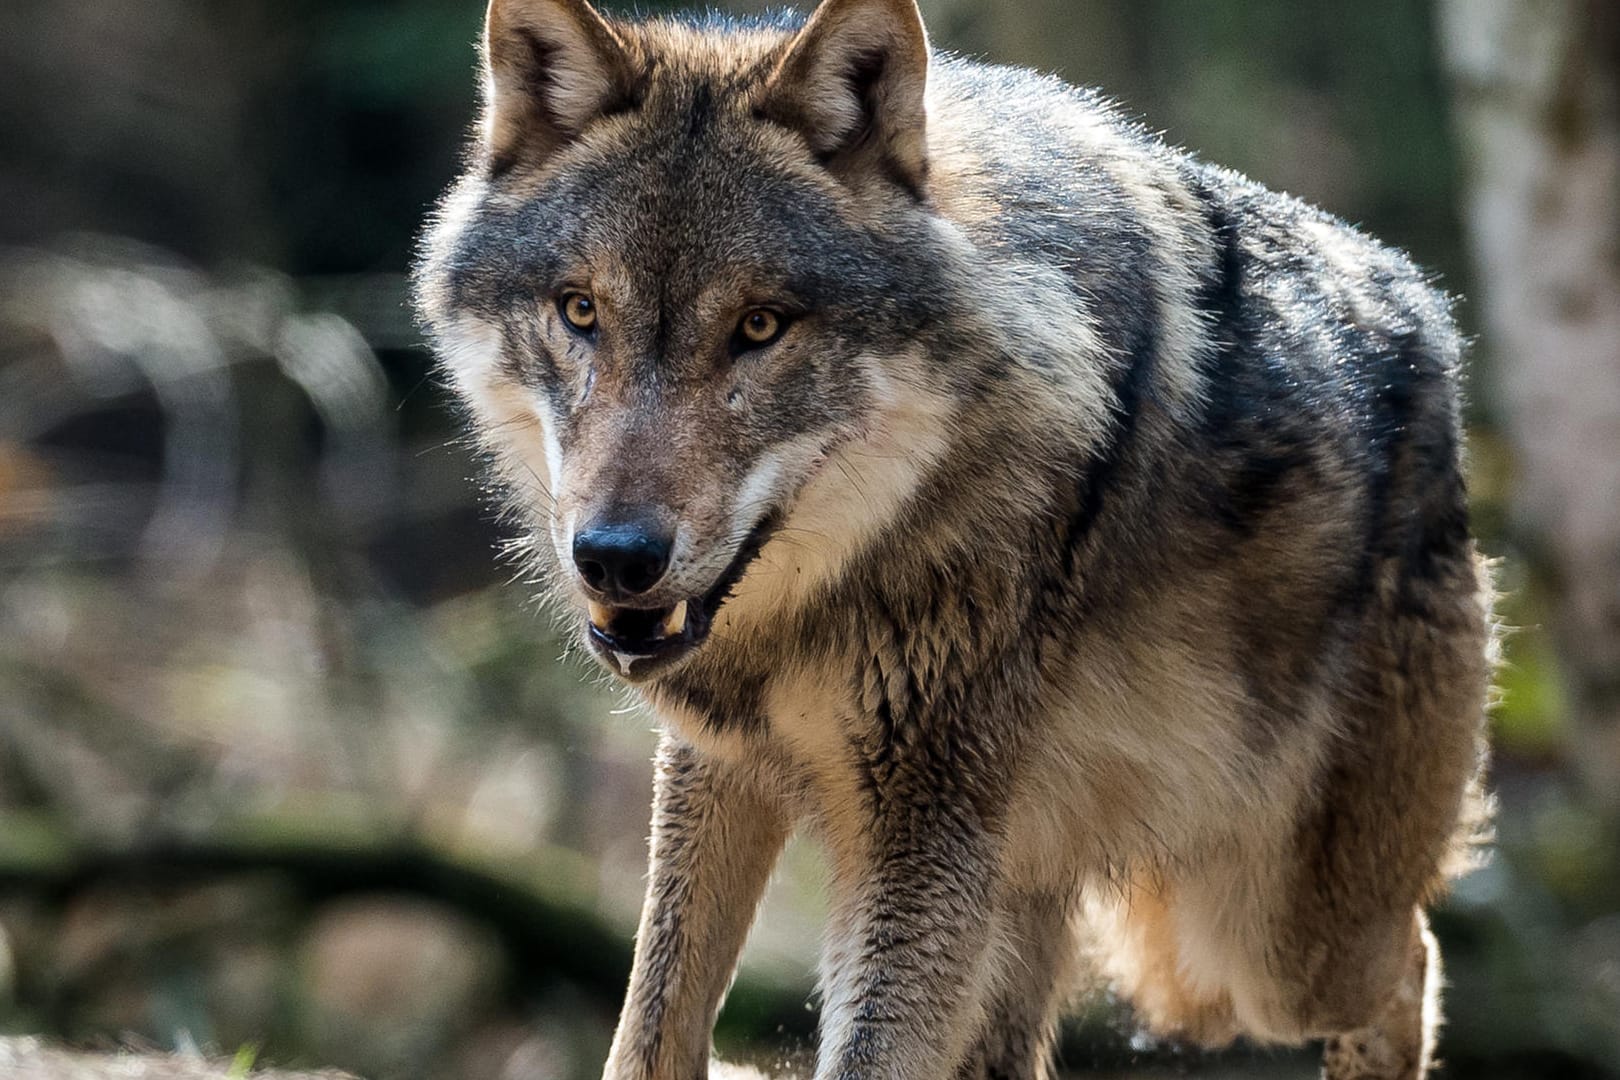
(1068, 533)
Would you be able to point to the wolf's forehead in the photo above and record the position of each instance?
(709, 45)
(674, 191)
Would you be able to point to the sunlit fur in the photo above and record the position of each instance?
(1119, 603)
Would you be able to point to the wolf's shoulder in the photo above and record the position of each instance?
(1044, 148)
(1063, 176)
(1275, 331)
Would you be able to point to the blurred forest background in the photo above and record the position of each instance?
(286, 771)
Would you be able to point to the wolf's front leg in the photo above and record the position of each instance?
(715, 838)
(906, 968)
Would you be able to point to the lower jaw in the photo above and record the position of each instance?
(638, 661)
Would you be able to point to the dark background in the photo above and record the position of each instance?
(288, 771)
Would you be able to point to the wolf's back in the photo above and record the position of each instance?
(1272, 337)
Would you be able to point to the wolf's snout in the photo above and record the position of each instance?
(622, 558)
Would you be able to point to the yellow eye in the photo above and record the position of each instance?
(580, 310)
(758, 328)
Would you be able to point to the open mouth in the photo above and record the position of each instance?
(638, 642)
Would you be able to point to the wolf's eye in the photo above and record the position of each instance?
(580, 311)
(758, 329)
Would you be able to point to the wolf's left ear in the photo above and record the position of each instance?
(853, 82)
(553, 66)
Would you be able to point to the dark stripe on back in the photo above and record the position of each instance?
(1131, 392)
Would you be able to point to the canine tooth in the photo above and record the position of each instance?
(600, 615)
(675, 621)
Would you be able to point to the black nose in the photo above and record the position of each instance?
(622, 558)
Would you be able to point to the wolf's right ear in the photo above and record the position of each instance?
(853, 82)
(551, 67)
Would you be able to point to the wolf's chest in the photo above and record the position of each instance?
(794, 727)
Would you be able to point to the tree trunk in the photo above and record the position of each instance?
(1537, 92)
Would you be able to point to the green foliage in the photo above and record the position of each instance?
(242, 1061)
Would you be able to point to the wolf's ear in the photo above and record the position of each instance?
(853, 81)
(551, 67)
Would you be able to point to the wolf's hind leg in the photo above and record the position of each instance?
(1399, 1044)
(1020, 1019)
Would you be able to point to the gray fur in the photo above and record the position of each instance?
(1108, 582)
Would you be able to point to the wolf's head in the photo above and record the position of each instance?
(685, 289)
